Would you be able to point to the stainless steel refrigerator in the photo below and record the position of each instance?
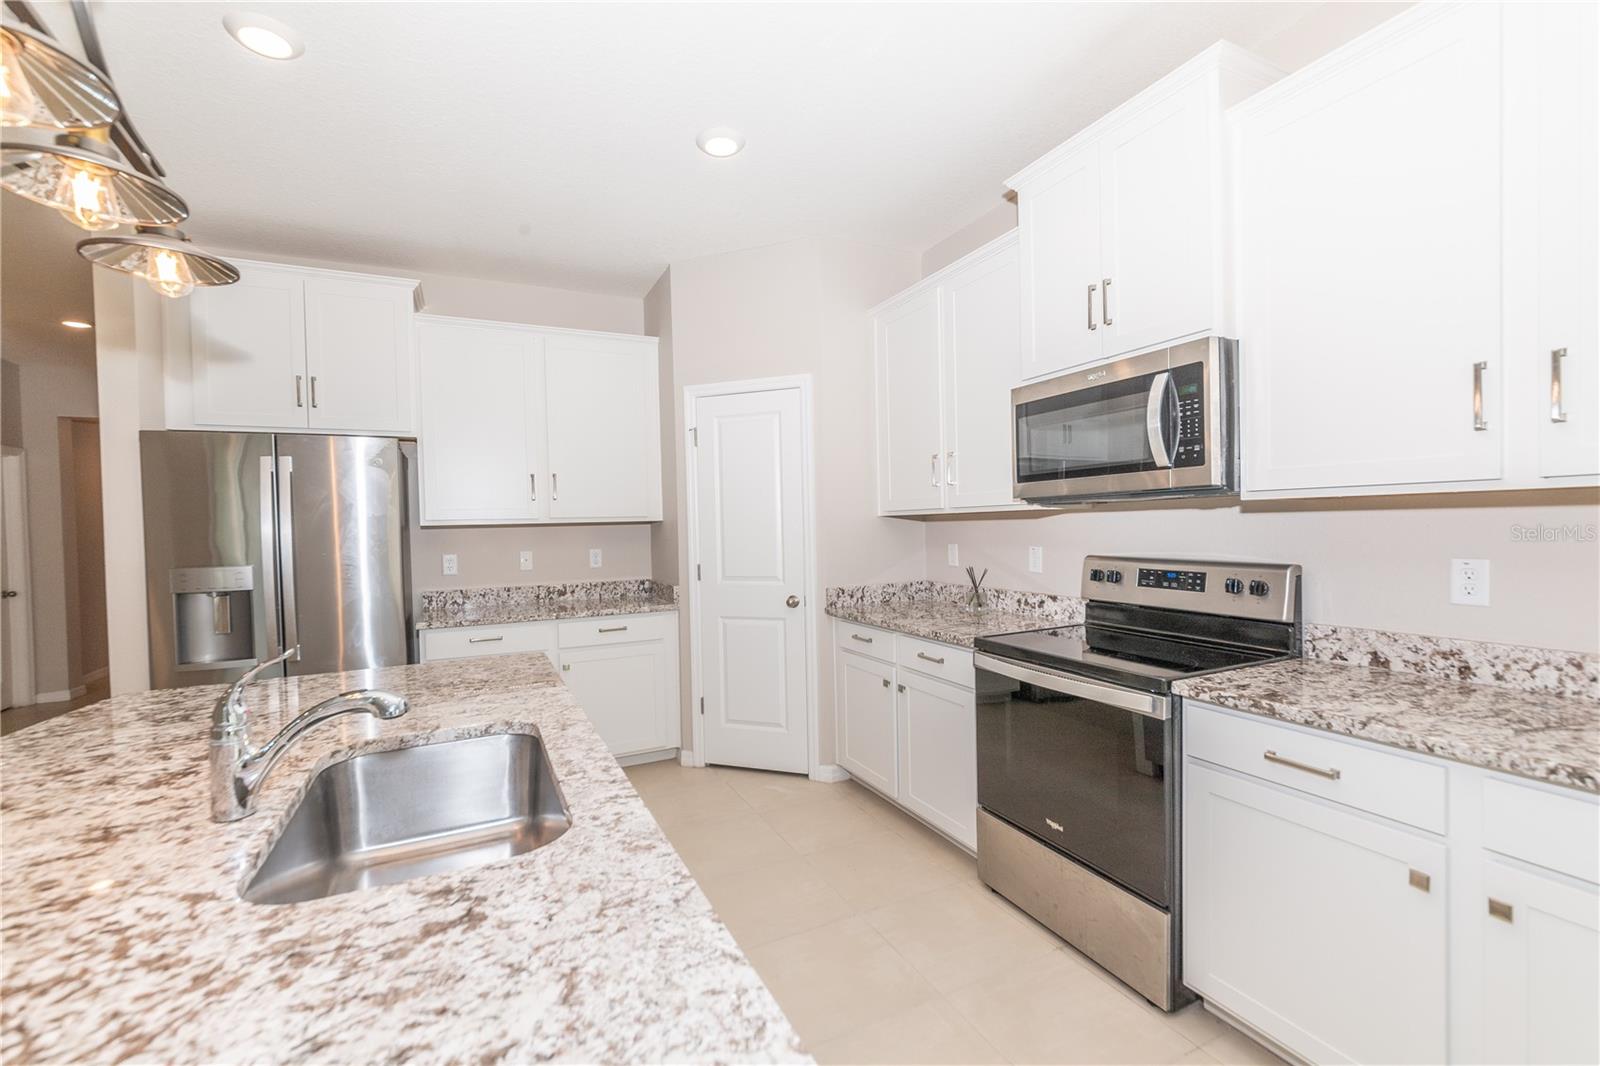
(256, 542)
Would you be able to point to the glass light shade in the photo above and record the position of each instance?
(42, 86)
(171, 263)
(92, 191)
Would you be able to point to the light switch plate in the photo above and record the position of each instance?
(1469, 582)
(1035, 560)
(594, 557)
(952, 554)
(525, 560)
(450, 566)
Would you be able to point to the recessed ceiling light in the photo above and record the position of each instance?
(263, 35)
(72, 323)
(721, 142)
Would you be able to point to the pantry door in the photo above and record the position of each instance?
(749, 574)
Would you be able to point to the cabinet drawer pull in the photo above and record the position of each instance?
(1090, 310)
(1105, 300)
(1498, 909)
(485, 640)
(886, 682)
(862, 639)
(613, 629)
(299, 398)
(1557, 412)
(1479, 423)
(1421, 880)
(1272, 756)
(900, 688)
(930, 658)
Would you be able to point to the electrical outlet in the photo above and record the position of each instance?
(449, 565)
(525, 560)
(1469, 582)
(594, 557)
(952, 554)
(1035, 560)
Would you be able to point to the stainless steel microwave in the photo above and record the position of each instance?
(1157, 424)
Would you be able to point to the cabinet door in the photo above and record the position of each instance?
(249, 350)
(1303, 918)
(939, 754)
(910, 463)
(1568, 414)
(477, 456)
(358, 355)
(866, 709)
(1059, 220)
(1370, 263)
(982, 333)
(1541, 967)
(623, 689)
(601, 418)
(1158, 222)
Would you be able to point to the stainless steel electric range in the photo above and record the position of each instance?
(1079, 754)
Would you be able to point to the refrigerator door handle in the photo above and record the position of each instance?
(291, 619)
(269, 561)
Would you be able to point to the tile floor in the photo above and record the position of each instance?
(15, 718)
(881, 944)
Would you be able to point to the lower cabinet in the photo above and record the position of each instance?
(905, 733)
(623, 670)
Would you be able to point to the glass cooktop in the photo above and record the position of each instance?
(1146, 661)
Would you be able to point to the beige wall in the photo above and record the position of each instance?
(1002, 218)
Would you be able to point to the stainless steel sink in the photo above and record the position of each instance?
(393, 815)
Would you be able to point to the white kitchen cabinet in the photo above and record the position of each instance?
(524, 424)
(470, 642)
(1125, 237)
(937, 724)
(865, 697)
(946, 354)
(295, 348)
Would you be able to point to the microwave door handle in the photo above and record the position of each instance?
(1155, 405)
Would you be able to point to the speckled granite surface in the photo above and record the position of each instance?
(1566, 673)
(938, 611)
(505, 604)
(125, 936)
(1539, 735)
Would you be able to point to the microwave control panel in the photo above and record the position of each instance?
(1189, 379)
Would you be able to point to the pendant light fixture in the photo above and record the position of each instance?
(42, 86)
(80, 176)
(171, 263)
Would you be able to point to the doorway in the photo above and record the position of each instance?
(752, 573)
(16, 617)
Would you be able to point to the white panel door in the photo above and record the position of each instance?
(982, 331)
(865, 705)
(910, 466)
(1568, 415)
(249, 350)
(1059, 220)
(358, 355)
(939, 754)
(751, 542)
(1157, 217)
(1305, 919)
(478, 453)
(1370, 264)
(1540, 967)
(623, 689)
(602, 420)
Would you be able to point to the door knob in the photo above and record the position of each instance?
(792, 601)
(11, 594)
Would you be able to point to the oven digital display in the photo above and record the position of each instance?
(1182, 580)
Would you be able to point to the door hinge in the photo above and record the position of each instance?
(702, 705)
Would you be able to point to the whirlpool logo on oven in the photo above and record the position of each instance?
(1053, 824)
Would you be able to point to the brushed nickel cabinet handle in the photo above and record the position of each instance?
(1272, 756)
(886, 682)
(485, 640)
(950, 468)
(1500, 910)
(930, 658)
(1421, 880)
(1557, 412)
(899, 688)
(1090, 310)
(933, 469)
(613, 629)
(313, 390)
(1479, 423)
(1105, 300)
(862, 639)
(299, 397)
(533, 486)
(566, 666)
(554, 485)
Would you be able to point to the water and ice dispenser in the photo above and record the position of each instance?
(214, 610)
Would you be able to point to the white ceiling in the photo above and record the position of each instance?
(554, 143)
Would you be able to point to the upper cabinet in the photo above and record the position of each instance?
(1124, 227)
(291, 348)
(1416, 258)
(524, 424)
(946, 354)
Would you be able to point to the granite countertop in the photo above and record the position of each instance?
(1548, 737)
(125, 936)
(938, 611)
(508, 604)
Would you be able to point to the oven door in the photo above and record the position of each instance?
(1085, 767)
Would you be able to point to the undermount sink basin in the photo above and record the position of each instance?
(393, 815)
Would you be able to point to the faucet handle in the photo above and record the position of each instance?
(230, 708)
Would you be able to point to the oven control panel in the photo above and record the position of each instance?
(1182, 580)
(1269, 591)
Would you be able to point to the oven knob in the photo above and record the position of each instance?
(1233, 586)
(1114, 576)
(1097, 575)
(1259, 588)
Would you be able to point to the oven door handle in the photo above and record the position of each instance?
(1145, 703)
(1154, 407)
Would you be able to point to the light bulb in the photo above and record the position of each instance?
(84, 197)
(168, 273)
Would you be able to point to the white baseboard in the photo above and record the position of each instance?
(830, 773)
(57, 696)
(689, 758)
(647, 756)
(96, 675)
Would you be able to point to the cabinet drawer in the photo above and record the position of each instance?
(936, 660)
(1560, 833)
(617, 629)
(864, 640)
(1393, 786)
(469, 641)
